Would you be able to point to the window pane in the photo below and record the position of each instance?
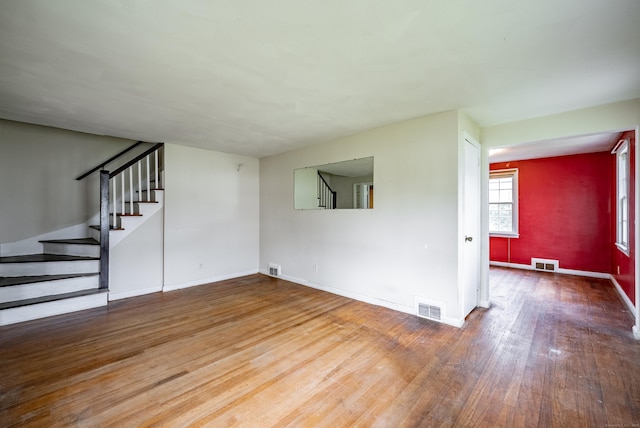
(506, 195)
(506, 183)
(505, 224)
(622, 192)
(505, 210)
(500, 217)
(501, 202)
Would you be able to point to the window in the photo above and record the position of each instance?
(622, 195)
(503, 203)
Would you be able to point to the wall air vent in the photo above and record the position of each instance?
(274, 270)
(429, 309)
(545, 265)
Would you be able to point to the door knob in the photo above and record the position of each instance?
(468, 238)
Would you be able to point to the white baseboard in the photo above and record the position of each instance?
(622, 294)
(560, 270)
(636, 332)
(362, 298)
(484, 304)
(511, 265)
(588, 274)
(134, 293)
(203, 281)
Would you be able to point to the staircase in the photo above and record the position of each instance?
(72, 274)
(327, 198)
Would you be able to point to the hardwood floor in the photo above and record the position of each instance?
(552, 351)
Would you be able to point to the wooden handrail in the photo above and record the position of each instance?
(321, 193)
(325, 182)
(108, 161)
(136, 159)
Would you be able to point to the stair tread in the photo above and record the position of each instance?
(97, 227)
(80, 241)
(28, 258)
(7, 281)
(51, 298)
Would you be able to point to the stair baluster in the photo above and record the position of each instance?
(156, 168)
(327, 198)
(148, 182)
(123, 173)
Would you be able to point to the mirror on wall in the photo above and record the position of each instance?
(338, 185)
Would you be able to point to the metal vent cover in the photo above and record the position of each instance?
(274, 270)
(545, 265)
(429, 311)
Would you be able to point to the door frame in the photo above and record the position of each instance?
(611, 117)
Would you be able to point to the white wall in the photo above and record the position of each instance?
(38, 167)
(306, 189)
(406, 246)
(211, 216)
(135, 263)
(619, 116)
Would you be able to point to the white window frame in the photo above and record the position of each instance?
(623, 176)
(501, 173)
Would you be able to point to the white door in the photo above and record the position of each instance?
(471, 244)
(361, 193)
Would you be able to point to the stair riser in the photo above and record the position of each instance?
(137, 206)
(94, 233)
(49, 268)
(47, 288)
(155, 195)
(42, 310)
(146, 210)
(72, 249)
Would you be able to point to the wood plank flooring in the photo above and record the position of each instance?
(553, 351)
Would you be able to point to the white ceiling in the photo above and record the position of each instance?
(600, 142)
(262, 77)
(352, 168)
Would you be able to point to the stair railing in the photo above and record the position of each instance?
(108, 161)
(136, 175)
(327, 198)
(118, 188)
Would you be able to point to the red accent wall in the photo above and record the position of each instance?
(564, 212)
(626, 278)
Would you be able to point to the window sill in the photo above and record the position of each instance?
(623, 249)
(503, 235)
